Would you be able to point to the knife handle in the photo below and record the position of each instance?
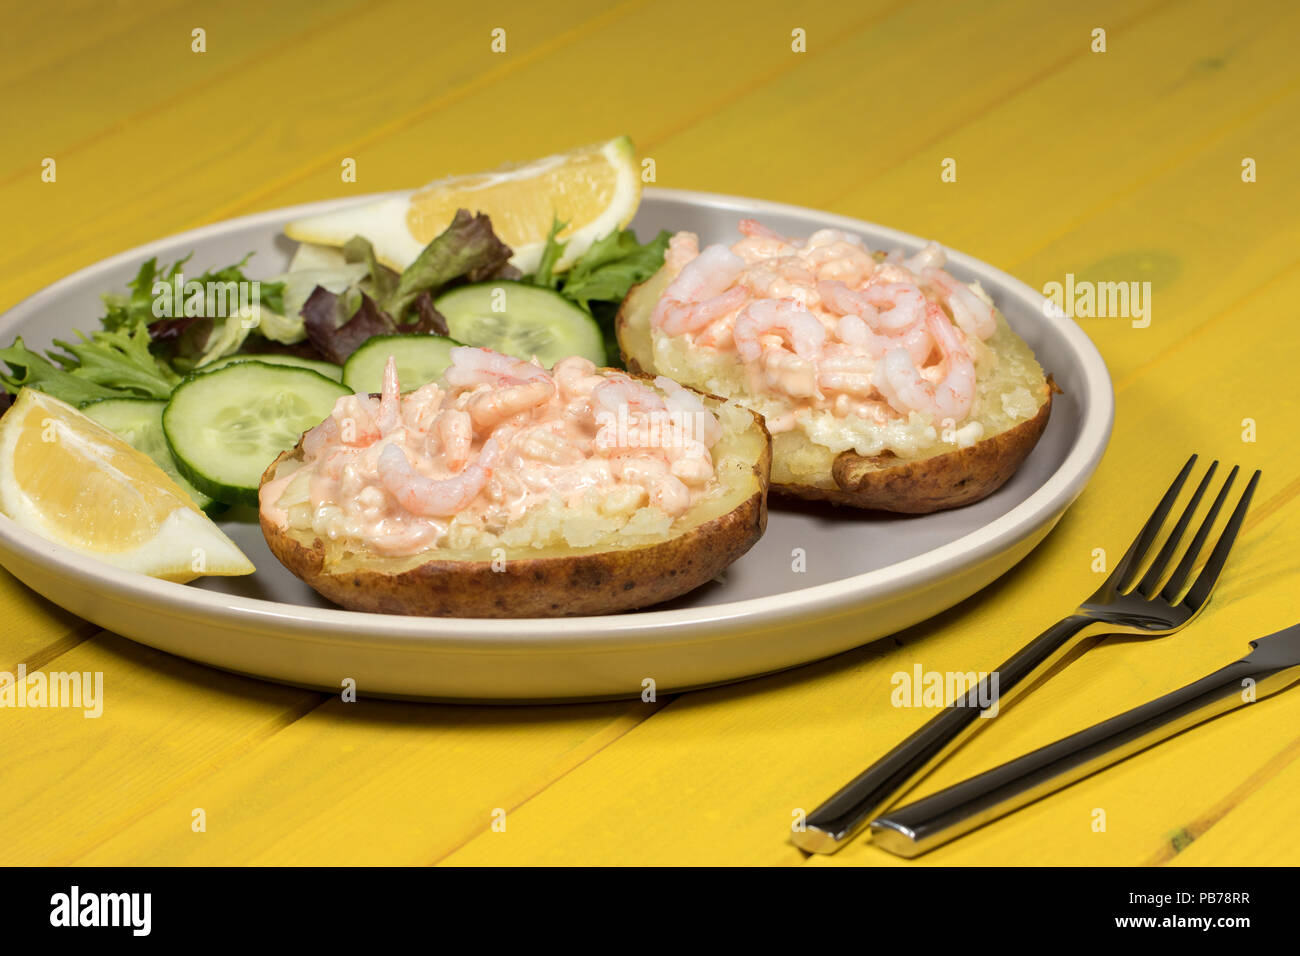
(919, 827)
(836, 821)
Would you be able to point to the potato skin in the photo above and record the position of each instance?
(932, 484)
(887, 483)
(601, 582)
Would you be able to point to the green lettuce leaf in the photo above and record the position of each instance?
(381, 282)
(30, 370)
(125, 311)
(606, 271)
(104, 365)
(468, 249)
(120, 360)
(551, 253)
(612, 265)
(602, 276)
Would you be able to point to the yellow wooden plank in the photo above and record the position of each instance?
(371, 782)
(34, 630)
(1089, 134)
(865, 104)
(68, 782)
(112, 83)
(51, 37)
(1258, 826)
(1200, 236)
(742, 759)
(733, 103)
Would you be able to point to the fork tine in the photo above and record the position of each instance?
(1154, 573)
(1120, 577)
(1209, 575)
(1179, 577)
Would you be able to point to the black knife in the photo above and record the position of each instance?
(909, 831)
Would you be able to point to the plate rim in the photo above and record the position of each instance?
(613, 631)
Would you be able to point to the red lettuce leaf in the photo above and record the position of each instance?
(335, 335)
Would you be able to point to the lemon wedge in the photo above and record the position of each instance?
(595, 189)
(72, 481)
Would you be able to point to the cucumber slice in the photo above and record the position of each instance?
(138, 422)
(521, 320)
(225, 428)
(421, 359)
(328, 369)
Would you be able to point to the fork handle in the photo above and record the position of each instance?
(914, 829)
(840, 818)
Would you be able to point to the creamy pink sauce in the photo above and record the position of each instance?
(822, 324)
(496, 439)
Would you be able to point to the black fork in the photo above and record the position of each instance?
(1119, 606)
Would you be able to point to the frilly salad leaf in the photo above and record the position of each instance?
(606, 271)
(28, 369)
(612, 265)
(601, 278)
(124, 311)
(108, 364)
(378, 281)
(192, 340)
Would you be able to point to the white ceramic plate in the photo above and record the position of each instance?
(867, 574)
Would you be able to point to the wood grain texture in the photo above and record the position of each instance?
(1123, 165)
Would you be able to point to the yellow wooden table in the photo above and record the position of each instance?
(1125, 164)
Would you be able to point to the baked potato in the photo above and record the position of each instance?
(884, 458)
(593, 554)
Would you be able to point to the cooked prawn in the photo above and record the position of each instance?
(756, 230)
(398, 539)
(390, 400)
(624, 408)
(420, 409)
(430, 497)
(575, 377)
(889, 307)
(682, 248)
(665, 490)
(931, 257)
(623, 391)
(767, 316)
(906, 390)
(760, 242)
(686, 402)
(853, 331)
(847, 373)
(490, 408)
(904, 305)
(474, 366)
(319, 438)
(455, 433)
(788, 373)
(837, 255)
(701, 293)
(972, 314)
